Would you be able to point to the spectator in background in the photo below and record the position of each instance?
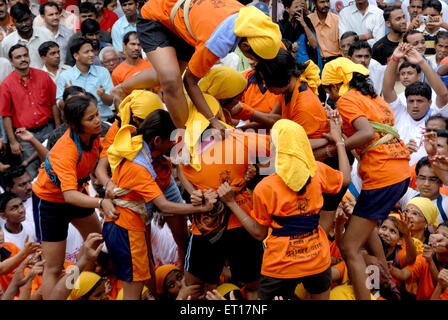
(414, 9)
(280, 7)
(441, 47)
(125, 24)
(90, 29)
(364, 19)
(395, 21)
(109, 58)
(105, 17)
(347, 39)
(133, 62)
(50, 55)
(67, 19)
(6, 24)
(26, 34)
(432, 9)
(51, 14)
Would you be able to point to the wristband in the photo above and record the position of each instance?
(393, 59)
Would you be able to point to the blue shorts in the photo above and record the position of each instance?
(376, 204)
(128, 252)
(51, 219)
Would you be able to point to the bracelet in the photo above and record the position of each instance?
(100, 202)
(343, 143)
(393, 59)
(209, 119)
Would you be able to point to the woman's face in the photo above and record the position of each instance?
(388, 232)
(173, 283)
(91, 120)
(416, 217)
(295, 6)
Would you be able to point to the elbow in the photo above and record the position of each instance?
(347, 180)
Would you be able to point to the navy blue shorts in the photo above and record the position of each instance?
(51, 219)
(376, 204)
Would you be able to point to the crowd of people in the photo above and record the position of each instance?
(223, 150)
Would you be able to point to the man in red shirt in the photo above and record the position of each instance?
(105, 18)
(27, 100)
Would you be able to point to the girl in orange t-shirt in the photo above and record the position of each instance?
(59, 194)
(289, 202)
(384, 166)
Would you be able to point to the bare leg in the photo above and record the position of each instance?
(54, 255)
(179, 229)
(326, 220)
(252, 290)
(132, 290)
(87, 225)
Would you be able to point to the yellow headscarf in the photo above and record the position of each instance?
(125, 146)
(311, 75)
(120, 293)
(225, 288)
(195, 126)
(294, 161)
(140, 103)
(341, 70)
(429, 209)
(345, 292)
(263, 35)
(161, 272)
(223, 82)
(85, 282)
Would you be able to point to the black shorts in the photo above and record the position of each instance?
(51, 219)
(314, 284)
(153, 34)
(244, 254)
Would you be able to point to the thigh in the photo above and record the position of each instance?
(357, 233)
(272, 287)
(54, 254)
(87, 225)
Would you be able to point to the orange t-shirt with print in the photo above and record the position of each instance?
(255, 97)
(123, 71)
(227, 161)
(305, 109)
(109, 138)
(303, 254)
(385, 164)
(133, 176)
(204, 18)
(64, 161)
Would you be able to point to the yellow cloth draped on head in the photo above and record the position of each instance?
(141, 103)
(294, 161)
(341, 70)
(263, 35)
(223, 82)
(194, 127)
(311, 76)
(429, 209)
(85, 282)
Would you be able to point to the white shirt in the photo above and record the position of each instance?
(67, 19)
(28, 204)
(5, 68)
(164, 248)
(231, 60)
(351, 19)
(53, 76)
(40, 35)
(376, 74)
(19, 238)
(337, 5)
(408, 128)
(62, 37)
(432, 61)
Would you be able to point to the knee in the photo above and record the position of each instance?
(348, 251)
(170, 82)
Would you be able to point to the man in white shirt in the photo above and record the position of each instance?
(364, 19)
(50, 55)
(51, 15)
(25, 34)
(67, 19)
(336, 6)
(361, 52)
(410, 118)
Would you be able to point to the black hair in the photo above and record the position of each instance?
(410, 1)
(87, 295)
(442, 134)
(48, 4)
(127, 36)
(407, 64)
(418, 88)
(288, 44)
(278, 71)
(89, 26)
(303, 189)
(72, 91)
(443, 224)
(388, 11)
(440, 35)
(74, 110)
(78, 43)
(438, 117)
(5, 197)
(432, 4)
(122, 2)
(19, 10)
(395, 222)
(408, 33)
(349, 34)
(423, 162)
(363, 84)
(358, 45)
(106, 2)
(15, 47)
(92, 98)
(157, 123)
(86, 7)
(46, 46)
(8, 176)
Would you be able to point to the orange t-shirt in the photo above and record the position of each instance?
(109, 139)
(123, 71)
(255, 97)
(413, 184)
(204, 18)
(133, 176)
(5, 279)
(303, 254)
(215, 170)
(421, 275)
(385, 164)
(305, 109)
(64, 161)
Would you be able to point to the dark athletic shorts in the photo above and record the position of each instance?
(243, 253)
(153, 34)
(51, 219)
